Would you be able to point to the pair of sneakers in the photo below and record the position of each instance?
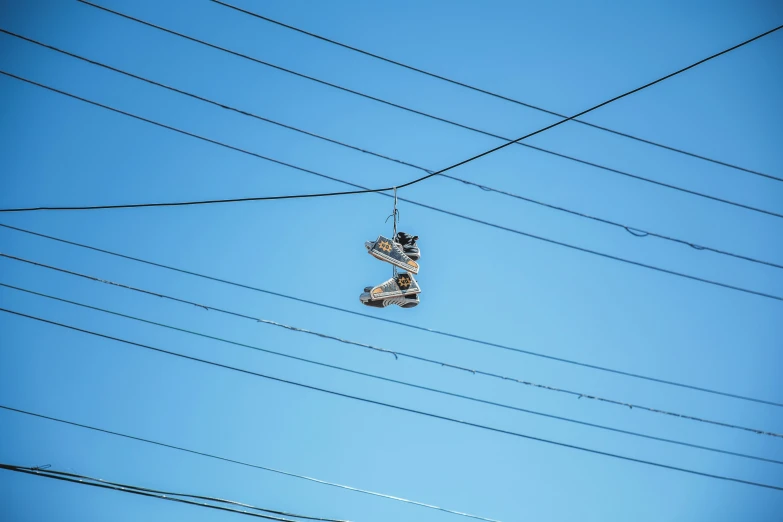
(402, 289)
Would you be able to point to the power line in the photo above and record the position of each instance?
(396, 407)
(207, 100)
(246, 464)
(260, 156)
(400, 323)
(495, 95)
(395, 381)
(364, 190)
(397, 353)
(633, 230)
(192, 135)
(154, 493)
(507, 140)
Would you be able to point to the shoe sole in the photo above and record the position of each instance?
(413, 268)
(365, 298)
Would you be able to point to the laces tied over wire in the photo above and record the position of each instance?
(395, 215)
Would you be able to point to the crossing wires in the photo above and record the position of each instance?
(633, 230)
(490, 93)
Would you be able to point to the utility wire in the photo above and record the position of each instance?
(396, 407)
(164, 495)
(635, 231)
(494, 95)
(399, 323)
(395, 381)
(246, 464)
(207, 100)
(364, 190)
(397, 353)
(508, 142)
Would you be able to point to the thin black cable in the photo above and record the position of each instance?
(241, 463)
(396, 407)
(495, 95)
(398, 323)
(638, 232)
(395, 381)
(508, 142)
(209, 101)
(388, 158)
(364, 190)
(397, 353)
(192, 135)
(164, 495)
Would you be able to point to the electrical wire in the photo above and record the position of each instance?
(399, 323)
(207, 100)
(397, 407)
(395, 381)
(246, 464)
(508, 141)
(636, 231)
(164, 495)
(494, 95)
(364, 190)
(397, 353)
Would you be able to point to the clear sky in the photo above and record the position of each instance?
(477, 281)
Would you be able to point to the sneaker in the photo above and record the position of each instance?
(407, 301)
(391, 252)
(400, 286)
(408, 244)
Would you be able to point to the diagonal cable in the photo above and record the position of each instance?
(633, 230)
(397, 353)
(395, 381)
(163, 495)
(496, 95)
(364, 190)
(398, 323)
(394, 406)
(508, 142)
(242, 463)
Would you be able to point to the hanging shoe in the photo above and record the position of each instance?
(391, 252)
(407, 301)
(400, 286)
(408, 244)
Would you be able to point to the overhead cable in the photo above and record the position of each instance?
(207, 502)
(508, 142)
(397, 353)
(397, 407)
(364, 190)
(394, 381)
(635, 231)
(495, 95)
(399, 323)
(242, 463)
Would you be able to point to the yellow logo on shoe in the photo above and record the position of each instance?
(404, 281)
(385, 246)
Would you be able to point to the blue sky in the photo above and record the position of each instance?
(477, 281)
